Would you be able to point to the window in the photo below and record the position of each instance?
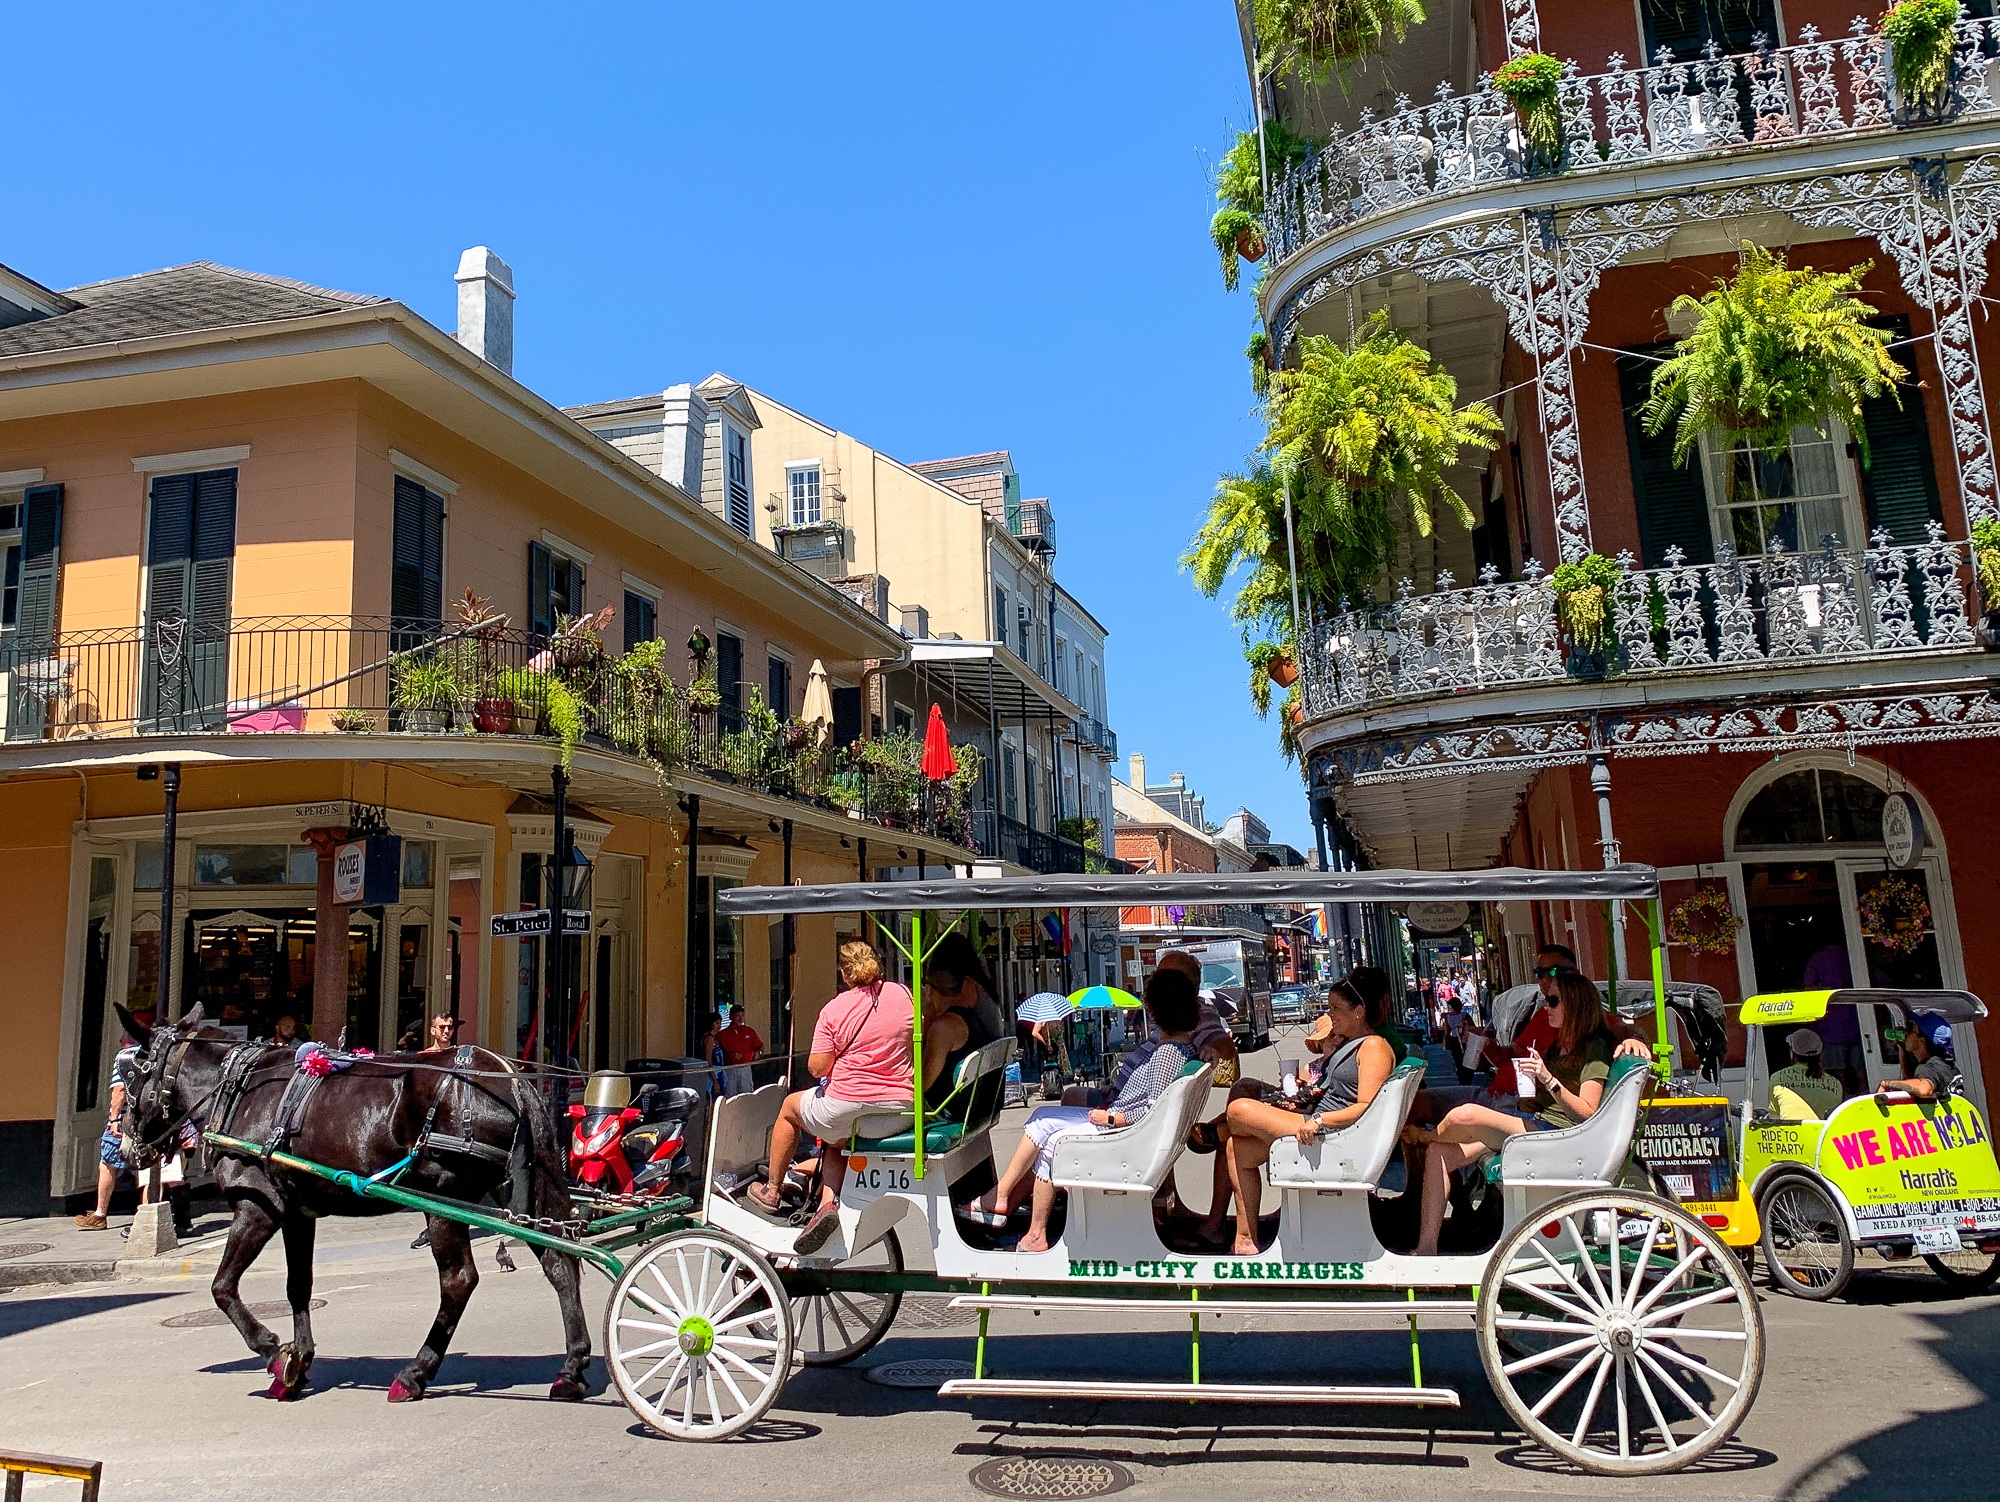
(1012, 794)
(736, 479)
(10, 566)
(255, 866)
(999, 614)
(416, 581)
(778, 694)
(802, 491)
(1813, 807)
(641, 619)
(846, 716)
(418, 861)
(555, 588)
(190, 557)
(1797, 498)
(729, 678)
(904, 719)
(1028, 800)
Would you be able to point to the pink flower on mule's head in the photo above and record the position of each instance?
(315, 1062)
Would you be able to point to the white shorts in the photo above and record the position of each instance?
(1050, 1124)
(832, 1120)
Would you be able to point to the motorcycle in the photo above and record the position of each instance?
(622, 1146)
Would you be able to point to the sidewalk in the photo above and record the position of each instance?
(54, 1251)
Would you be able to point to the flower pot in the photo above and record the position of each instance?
(527, 720)
(426, 721)
(493, 716)
(1932, 107)
(1298, 715)
(1282, 670)
(1587, 664)
(1250, 244)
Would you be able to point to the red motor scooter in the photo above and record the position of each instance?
(618, 1146)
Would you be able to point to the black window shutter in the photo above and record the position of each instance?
(540, 566)
(640, 617)
(1671, 500)
(214, 548)
(169, 544)
(846, 716)
(779, 697)
(41, 568)
(729, 678)
(416, 588)
(1899, 485)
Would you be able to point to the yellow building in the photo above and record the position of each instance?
(235, 511)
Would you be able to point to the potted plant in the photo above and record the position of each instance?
(1922, 40)
(1532, 84)
(1237, 228)
(1583, 605)
(428, 688)
(353, 721)
(514, 702)
(704, 696)
(562, 715)
(1986, 566)
(1313, 38)
(1772, 350)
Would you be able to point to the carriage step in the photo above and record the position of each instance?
(1212, 1392)
(1036, 1303)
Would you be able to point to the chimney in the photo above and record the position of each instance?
(486, 307)
(684, 428)
(1138, 772)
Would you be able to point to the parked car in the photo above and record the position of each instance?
(1290, 1006)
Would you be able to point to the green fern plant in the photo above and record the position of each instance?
(1583, 598)
(1772, 350)
(563, 713)
(1986, 558)
(1532, 84)
(1923, 40)
(1313, 39)
(1237, 228)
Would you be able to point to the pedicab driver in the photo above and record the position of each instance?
(1926, 1065)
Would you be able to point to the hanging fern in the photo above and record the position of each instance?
(1532, 83)
(1923, 38)
(1772, 350)
(1312, 39)
(1237, 229)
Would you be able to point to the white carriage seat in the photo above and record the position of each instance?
(1353, 1156)
(1589, 1154)
(971, 1106)
(1135, 1159)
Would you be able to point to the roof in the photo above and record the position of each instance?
(963, 461)
(1496, 884)
(179, 300)
(653, 401)
(989, 675)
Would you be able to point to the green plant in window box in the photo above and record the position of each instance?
(1532, 83)
(523, 691)
(1922, 37)
(1772, 350)
(1583, 604)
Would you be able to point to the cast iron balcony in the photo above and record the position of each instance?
(1031, 524)
(1819, 89)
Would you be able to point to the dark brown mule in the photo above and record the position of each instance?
(470, 1120)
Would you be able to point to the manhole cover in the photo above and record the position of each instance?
(917, 1373)
(277, 1309)
(23, 1249)
(1048, 1476)
(935, 1314)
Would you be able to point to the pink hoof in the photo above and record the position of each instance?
(401, 1394)
(283, 1393)
(567, 1390)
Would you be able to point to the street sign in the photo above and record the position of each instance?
(534, 922)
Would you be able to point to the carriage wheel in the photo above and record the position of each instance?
(1806, 1245)
(836, 1326)
(1620, 1333)
(1966, 1271)
(698, 1335)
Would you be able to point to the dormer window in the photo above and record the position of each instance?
(736, 478)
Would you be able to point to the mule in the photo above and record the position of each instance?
(472, 1127)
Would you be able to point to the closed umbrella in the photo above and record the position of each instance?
(939, 764)
(818, 706)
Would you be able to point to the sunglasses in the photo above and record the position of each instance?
(1551, 971)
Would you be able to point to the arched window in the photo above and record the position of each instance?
(1813, 806)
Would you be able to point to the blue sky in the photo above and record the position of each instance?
(942, 228)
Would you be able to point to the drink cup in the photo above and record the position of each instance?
(1288, 1076)
(1524, 1084)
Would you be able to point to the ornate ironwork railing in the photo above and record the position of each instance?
(1716, 103)
(1777, 610)
(382, 678)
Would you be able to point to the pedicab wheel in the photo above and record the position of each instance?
(1620, 1333)
(1806, 1243)
(1967, 1271)
(840, 1324)
(698, 1335)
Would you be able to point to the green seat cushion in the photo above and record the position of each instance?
(1623, 1067)
(939, 1136)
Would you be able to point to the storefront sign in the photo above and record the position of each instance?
(534, 922)
(1438, 917)
(1903, 833)
(1104, 944)
(350, 870)
(1687, 1144)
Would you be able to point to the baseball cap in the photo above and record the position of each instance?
(1804, 1042)
(1936, 1029)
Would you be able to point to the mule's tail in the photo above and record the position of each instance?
(541, 1179)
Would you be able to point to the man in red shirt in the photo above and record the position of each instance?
(741, 1047)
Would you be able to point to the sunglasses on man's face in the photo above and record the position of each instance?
(1550, 972)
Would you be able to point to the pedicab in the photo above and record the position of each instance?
(1616, 1329)
(1883, 1174)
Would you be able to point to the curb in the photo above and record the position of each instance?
(49, 1274)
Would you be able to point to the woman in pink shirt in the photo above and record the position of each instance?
(861, 1055)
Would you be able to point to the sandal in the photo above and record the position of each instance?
(760, 1193)
(993, 1220)
(1204, 1137)
(819, 1230)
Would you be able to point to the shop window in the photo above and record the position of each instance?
(255, 866)
(148, 857)
(1815, 806)
(418, 860)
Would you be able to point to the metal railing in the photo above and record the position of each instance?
(1093, 732)
(1776, 610)
(1032, 523)
(385, 677)
(1671, 111)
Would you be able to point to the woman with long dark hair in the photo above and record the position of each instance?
(1569, 1087)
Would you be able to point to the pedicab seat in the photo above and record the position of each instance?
(1353, 1156)
(978, 1092)
(1590, 1154)
(1136, 1159)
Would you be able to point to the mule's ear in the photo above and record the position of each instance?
(192, 1019)
(136, 1030)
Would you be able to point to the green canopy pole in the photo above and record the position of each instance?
(1663, 1040)
(917, 957)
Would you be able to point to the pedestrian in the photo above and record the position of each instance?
(740, 1047)
(444, 1032)
(112, 1165)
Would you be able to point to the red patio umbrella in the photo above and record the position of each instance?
(939, 764)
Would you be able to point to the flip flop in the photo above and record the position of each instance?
(1203, 1137)
(993, 1220)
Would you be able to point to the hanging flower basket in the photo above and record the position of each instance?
(1922, 41)
(1895, 914)
(1282, 670)
(1532, 84)
(1704, 922)
(1583, 605)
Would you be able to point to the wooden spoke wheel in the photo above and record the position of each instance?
(838, 1325)
(698, 1335)
(1620, 1333)
(1806, 1244)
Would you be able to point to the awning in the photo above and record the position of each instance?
(987, 680)
(1810, 1006)
(1499, 884)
